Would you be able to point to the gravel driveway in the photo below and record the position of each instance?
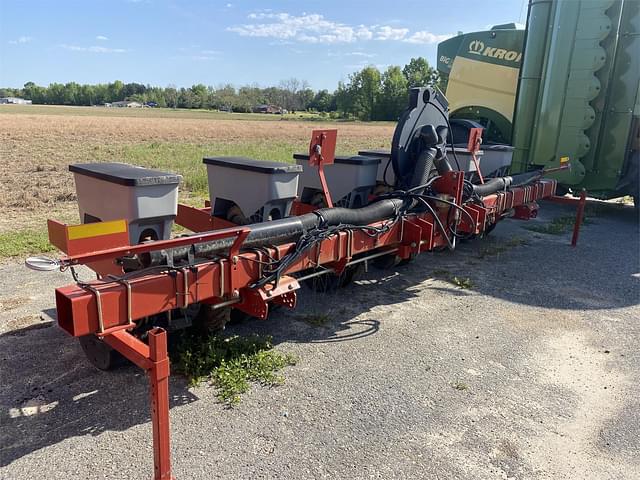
(532, 373)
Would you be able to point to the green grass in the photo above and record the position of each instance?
(558, 225)
(498, 248)
(24, 242)
(231, 363)
(177, 113)
(186, 158)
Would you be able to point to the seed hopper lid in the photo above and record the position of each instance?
(124, 174)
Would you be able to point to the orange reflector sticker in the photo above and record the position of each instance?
(88, 230)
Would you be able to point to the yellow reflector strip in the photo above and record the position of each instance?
(88, 230)
(564, 160)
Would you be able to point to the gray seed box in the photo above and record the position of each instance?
(261, 189)
(350, 179)
(147, 199)
(492, 159)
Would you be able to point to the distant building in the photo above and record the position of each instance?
(126, 104)
(14, 101)
(268, 109)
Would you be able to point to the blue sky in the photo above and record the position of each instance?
(163, 42)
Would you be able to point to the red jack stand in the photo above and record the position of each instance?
(154, 359)
(580, 203)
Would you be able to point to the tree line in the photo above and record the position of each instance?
(367, 94)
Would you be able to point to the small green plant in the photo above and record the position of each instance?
(455, 280)
(24, 242)
(230, 363)
(462, 282)
(458, 385)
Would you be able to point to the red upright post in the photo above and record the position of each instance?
(322, 151)
(579, 217)
(159, 380)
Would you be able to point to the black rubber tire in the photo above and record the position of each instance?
(489, 229)
(99, 354)
(386, 262)
(212, 320)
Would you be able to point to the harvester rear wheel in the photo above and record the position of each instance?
(99, 354)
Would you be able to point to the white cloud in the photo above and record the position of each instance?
(198, 56)
(315, 28)
(426, 37)
(390, 33)
(309, 28)
(92, 49)
(102, 38)
(21, 40)
(361, 54)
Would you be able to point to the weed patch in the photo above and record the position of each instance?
(458, 385)
(230, 363)
(460, 282)
(24, 242)
(315, 319)
(558, 225)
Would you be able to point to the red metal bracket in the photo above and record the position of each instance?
(479, 215)
(526, 211)
(200, 219)
(451, 183)
(234, 251)
(255, 301)
(417, 236)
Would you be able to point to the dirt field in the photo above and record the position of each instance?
(38, 143)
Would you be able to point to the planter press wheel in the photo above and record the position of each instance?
(99, 354)
(212, 320)
(390, 261)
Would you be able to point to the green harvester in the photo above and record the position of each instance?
(567, 88)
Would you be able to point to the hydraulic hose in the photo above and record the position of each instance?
(422, 170)
(502, 183)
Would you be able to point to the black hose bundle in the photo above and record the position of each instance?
(284, 230)
(502, 183)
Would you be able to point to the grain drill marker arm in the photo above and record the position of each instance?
(264, 232)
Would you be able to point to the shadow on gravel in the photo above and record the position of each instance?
(51, 393)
